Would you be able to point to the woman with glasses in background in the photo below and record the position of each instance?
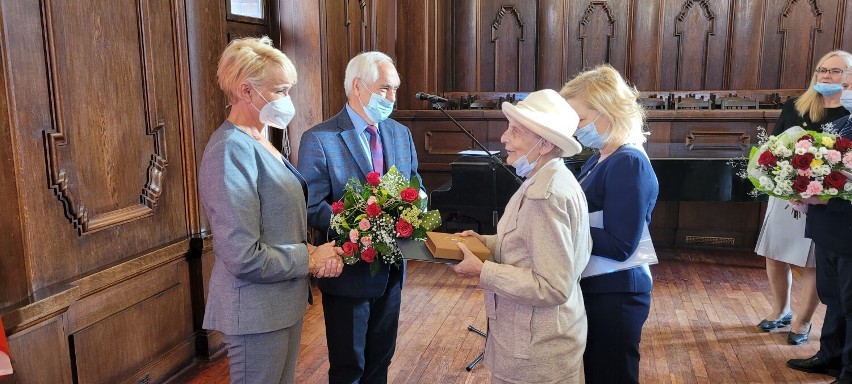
(781, 238)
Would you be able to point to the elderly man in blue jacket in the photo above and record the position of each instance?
(361, 311)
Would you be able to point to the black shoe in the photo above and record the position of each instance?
(813, 364)
(768, 325)
(794, 338)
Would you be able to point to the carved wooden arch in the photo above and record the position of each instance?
(80, 217)
(584, 21)
(787, 43)
(679, 32)
(495, 26)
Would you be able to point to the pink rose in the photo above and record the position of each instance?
(404, 228)
(371, 200)
(409, 195)
(349, 248)
(374, 178)
(364, 224)
(835, 180)
(814, 188)
(804, 144)
(369, 255)
(337, 207)
(847, 160)
(767, 159)
(373, 210)
(354, 235)
(367, 240)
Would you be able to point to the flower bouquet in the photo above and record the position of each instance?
(799, 164)
(372, 214)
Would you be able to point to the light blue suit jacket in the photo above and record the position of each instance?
(329, 154)
(256, 207)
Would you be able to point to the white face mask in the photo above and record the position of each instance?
(522, 165)
(846, 99)
(277, 113)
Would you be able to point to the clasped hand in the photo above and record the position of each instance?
(325, 260)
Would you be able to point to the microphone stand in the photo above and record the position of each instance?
(493, 156)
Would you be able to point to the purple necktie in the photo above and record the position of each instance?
(376, 150)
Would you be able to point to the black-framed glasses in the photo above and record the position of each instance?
(832, 71)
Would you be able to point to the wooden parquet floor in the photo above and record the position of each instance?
(701, 328)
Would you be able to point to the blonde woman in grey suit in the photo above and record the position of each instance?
(256, 203)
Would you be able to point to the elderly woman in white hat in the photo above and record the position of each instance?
(536, 318)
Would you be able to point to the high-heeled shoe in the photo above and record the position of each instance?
(794, 338)
(783, 321)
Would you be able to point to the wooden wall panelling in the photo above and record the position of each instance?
(846, 25)
(108, 155)
(299, 30)
(464, 40)
(796, 35)
(40, 354)
(508, 45)
(744, 53)
(551, 44)
(645, 48)
(14, 273)
(416, 51)
(692, 31)
(153, 332)
(718, 224)
(597, 33)
(206, 38)
(346, 27)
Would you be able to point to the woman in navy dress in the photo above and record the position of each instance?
(619, 181)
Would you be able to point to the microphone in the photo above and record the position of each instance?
(432, 98)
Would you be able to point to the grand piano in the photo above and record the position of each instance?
(479, 189)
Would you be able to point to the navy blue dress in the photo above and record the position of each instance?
(625, 187)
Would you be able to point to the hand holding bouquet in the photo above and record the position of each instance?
(372, 214)
(798, 164)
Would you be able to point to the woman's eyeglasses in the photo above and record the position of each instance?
(833, 71)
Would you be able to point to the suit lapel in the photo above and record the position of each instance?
(353, 143)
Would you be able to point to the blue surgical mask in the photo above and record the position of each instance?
(827, 89)
(589, 136)
(378, 109)
(522, 165)
(846, 99)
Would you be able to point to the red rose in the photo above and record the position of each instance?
(374, 178)
(337, 207)
(835, 180)
(806, 137)
(802, 161)
(349, 248)
(767, 159)
(842, 144)
(373, 210)
(409, 194)
(369, 254)
(404, 228)
(801, 184)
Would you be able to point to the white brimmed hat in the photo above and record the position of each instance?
(549, 116)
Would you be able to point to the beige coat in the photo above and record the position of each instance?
(536, 317)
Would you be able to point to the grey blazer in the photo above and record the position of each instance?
(257, 212)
